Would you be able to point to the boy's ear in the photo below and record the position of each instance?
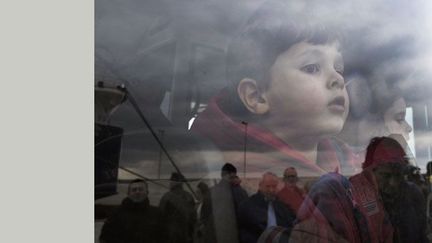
(252, 97)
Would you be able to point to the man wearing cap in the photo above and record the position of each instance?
(219, 210)
(291, 194)
(394, 208)
(178, 207)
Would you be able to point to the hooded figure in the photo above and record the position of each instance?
(394, 208)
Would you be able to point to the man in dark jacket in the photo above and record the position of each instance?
(136, 221)
(178, 206)
(220, 209)
(263, 210)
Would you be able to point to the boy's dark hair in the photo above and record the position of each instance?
(271, 30)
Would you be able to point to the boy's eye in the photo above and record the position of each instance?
(339, 70)
(311, 68)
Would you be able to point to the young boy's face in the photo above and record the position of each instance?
(307, 94)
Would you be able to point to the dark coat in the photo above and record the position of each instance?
(408, 215)
(253, 217)
(178, 206)
(134, 223)
(219, 213)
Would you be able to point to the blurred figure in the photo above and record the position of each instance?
(136, 221)
(291, 194)
(329, 214)
(376, 109)
(395, 208)
(178, 207)
(263, 210)
(238, 192)
(394, 118)
(202, 193)
(413, 174)
(219, 210)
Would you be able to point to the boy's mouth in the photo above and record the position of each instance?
(337, 104)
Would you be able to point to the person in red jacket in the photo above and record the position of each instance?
(395, 208)
(291, 194)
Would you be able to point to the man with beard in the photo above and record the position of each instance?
(395, 208)
(136, 221)
(263, 210)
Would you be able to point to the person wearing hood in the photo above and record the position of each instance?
(395, 208)
(135, 221)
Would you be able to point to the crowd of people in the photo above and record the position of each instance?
(379, 204)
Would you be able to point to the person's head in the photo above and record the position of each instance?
(386, 158)
(228, 172)
(290, 176)
(380, 115)
(287, 73)
(137, 190)
(268, 185)
(389, 178)
(394, 118)
(176, 180)
(377, 103)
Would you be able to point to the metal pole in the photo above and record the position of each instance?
(244, 148)
(161, 132)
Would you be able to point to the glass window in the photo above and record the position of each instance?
(301, 103)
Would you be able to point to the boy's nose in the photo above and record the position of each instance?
(336, 81)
